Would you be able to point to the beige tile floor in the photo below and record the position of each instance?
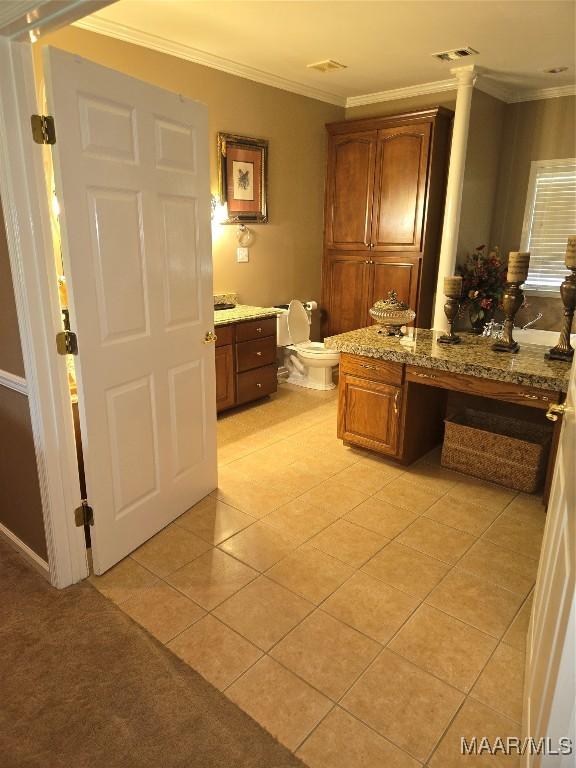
(365, 614)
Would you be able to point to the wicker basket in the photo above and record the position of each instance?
(497, 448)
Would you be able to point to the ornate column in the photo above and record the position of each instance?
(466, 77)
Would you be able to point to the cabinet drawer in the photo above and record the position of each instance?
(371, 368)
(255, 354)
(224, 335)
(256, 329)
(257, 383)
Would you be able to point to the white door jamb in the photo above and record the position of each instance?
(25, 203)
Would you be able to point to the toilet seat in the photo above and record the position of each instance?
(311, 348)
(298, 323)
(309, 363)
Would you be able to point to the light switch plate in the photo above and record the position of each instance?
(241, 254)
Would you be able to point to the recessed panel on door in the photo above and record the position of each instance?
(116, 228)
(187, 416)
(400, 277)
(175, 147)
(181, 266)
(401, 188)
(107, 130)
(352, 184)
(133, 443)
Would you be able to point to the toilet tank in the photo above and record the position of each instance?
(282, 333)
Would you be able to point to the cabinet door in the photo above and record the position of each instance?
(369, 414)
(350, 188)
(399, 276)
(345, 293)
(224, 359)
(400, 188)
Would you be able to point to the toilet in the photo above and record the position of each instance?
(308, 363)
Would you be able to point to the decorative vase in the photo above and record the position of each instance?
(477, 320)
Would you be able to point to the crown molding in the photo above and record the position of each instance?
(161, 44)
(484, 81)
(543, 93)
(495, 89)
(438, 86)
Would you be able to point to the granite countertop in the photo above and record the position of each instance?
(243, 312)
(472, 356)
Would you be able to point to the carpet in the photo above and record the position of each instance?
(82, 686)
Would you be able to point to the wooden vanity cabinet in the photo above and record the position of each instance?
(385, 187)
(224, 360)
(370, 416)
(380, 410)
(245, 358)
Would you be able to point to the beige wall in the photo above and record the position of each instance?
(481, 173)
(10, 349)
(20, 502)
(285, 258)
(533, 130)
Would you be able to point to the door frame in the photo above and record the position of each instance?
(25, 203)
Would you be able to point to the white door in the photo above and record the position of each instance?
(550, 686)
(131, 168)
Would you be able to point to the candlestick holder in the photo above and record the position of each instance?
(564, 349)
(451, 307)
(512, 300)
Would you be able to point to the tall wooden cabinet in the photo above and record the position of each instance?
(385, 187)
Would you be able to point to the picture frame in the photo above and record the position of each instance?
(243, 178)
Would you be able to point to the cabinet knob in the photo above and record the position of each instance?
(259, 330)
(259, 385)
(259, 354)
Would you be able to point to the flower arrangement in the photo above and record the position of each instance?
(483, 281)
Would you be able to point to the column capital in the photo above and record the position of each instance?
(466, 75)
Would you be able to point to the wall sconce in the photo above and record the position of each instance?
(218, 210)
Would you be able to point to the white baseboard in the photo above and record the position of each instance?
(25, 550)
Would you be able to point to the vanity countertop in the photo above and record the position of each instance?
(472, 356)
(243, 312)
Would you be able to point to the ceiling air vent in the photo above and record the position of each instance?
(328, 65)
(457, 53)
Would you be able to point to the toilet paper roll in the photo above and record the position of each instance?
(311, 306)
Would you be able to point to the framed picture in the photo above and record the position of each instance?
(243, 178)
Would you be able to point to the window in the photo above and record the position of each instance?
(549, 219)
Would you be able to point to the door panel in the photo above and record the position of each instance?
(550, 680)
(351, 186)
(345, 293)
(401, 277)
(369, 414)
(402, 162)
(131, 167)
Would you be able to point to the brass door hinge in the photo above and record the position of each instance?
(67, 343)
(43, 129)
(84, 514)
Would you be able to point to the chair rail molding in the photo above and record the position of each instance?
(11, 381)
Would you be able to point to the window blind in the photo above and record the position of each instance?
(550, 218)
